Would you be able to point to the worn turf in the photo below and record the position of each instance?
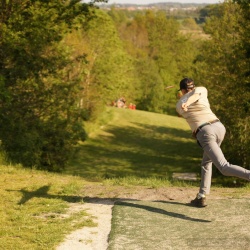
(161, 225)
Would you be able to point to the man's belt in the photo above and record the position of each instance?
(203, 125)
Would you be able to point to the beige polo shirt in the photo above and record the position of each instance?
(198, 112)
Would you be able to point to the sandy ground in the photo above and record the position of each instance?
(91, 238)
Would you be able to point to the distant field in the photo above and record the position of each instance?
(197, 34)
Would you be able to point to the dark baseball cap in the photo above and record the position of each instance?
(187, 83)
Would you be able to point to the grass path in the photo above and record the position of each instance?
(137, 143)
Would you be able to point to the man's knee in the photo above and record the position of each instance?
(225, 170)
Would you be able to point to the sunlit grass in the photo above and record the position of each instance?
(129, 144)
(127, 149)
(34, 208)
(137, 143)
(152, 182)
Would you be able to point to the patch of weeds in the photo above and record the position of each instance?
(70, 188)
(152, 182)
(35, 208)
(185, 183)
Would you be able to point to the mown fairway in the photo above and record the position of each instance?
(138, 143)
(172, 225)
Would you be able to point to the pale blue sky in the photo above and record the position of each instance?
(161, 1)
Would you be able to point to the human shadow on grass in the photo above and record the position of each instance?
(128, 203)
(160, 211)
(42, 192)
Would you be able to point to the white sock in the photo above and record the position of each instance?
(199, 196)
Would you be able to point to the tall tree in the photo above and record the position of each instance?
(38, 111)
(110, 73)
(223, 69)
(161, 56)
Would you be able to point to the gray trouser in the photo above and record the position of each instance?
(210, 138)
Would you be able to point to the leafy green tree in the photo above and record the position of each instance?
(172, 52)
(245, 33)
(209, 11)
(190, 24)
(223, 69)
(110, 73)
(161, 57)
(244, 76)
(39, 118)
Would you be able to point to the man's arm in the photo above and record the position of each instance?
(193, 98)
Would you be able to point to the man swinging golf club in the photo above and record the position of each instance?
(194, 106)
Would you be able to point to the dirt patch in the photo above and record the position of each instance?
(91, 238)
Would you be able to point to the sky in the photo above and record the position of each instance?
(162, 1)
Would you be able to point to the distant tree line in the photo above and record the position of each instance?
(62, 62)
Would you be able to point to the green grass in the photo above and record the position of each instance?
(137, 143)
(127, 149)
(34, 205)
(132, 143)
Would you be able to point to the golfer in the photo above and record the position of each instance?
(194, 106)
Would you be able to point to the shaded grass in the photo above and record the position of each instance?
(174, 225)
(132, 143)
(135, 148)
(137, 143)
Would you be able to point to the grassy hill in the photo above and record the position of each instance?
(128, 148)
(137, 143)
(34, 204)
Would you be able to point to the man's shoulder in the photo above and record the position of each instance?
(200, 89)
